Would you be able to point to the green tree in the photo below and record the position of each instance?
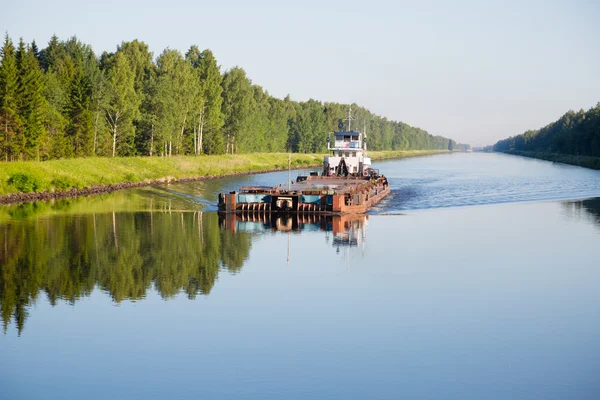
(575, 133)
(176, 93)
(9, 118)
(237, 97)
(311, 128)
(35, 50)
(210, 118)
(278, 127)
(139, 58)
(122, 106)
(81, 128)
(32, 102)
(59, 70)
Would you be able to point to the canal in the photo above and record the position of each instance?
(476, 278)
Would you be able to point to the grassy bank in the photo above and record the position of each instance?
(85, 173)
(581, 161)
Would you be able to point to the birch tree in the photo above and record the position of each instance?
(176, 92)
(237, 97)
(209, 113)
(123, 104)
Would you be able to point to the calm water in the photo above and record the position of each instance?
(147, 293)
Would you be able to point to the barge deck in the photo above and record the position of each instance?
(312, 194)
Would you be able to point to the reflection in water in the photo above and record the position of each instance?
(124, 254)
(155, 198)
(347, 230)
(342, 226)
(588, 209)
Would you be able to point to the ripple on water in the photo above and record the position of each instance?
(464, 179)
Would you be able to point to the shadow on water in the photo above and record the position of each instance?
(125, 254)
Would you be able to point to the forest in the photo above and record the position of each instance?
(65, 101)
(575, 133)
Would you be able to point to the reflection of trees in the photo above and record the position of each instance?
(589, 208)
(123, 254)
(592, 206)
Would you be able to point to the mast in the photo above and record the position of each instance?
(365, 137)
(349, 119)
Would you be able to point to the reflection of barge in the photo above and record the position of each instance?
(347, 185)
(348, 230)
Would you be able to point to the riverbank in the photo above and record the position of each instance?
(31, 180)
(580, 161)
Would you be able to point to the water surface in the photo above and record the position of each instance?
(147, 293)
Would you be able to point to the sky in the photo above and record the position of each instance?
(474, 71)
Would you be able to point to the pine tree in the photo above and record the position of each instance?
(49, 55)
(32, 102)
(18, 145)
(81, 127)
(59, 69)
(35, 50)
(9, 119)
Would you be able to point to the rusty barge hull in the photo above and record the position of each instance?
(313, 194)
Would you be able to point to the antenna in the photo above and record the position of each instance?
(365, 136)
(349, 119)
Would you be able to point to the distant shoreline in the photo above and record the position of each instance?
(88, 176)
(580, 161)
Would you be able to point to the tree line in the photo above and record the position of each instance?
(65, 101)
(575, 133)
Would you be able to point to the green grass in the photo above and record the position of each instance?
(390, 154)
(581, 161)
(80, 173)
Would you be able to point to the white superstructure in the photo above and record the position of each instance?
(348, 155)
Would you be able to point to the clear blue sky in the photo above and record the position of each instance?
(473, 71)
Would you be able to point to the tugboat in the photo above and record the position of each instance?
(346, 185)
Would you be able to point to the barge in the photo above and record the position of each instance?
(346, 185)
